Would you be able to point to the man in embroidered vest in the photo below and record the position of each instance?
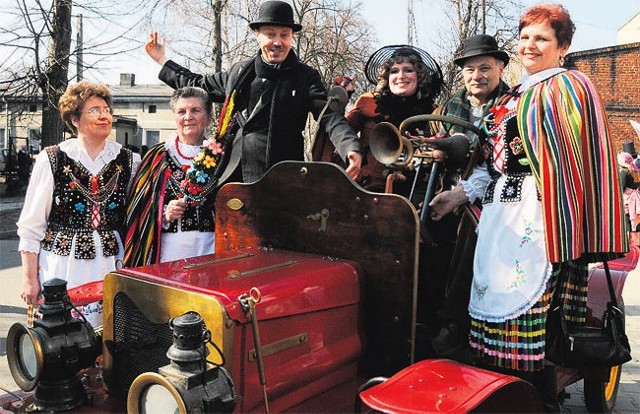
(266, 100)
(482, 64)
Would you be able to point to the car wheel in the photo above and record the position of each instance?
(600, 397)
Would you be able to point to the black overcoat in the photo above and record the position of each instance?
(272, 132)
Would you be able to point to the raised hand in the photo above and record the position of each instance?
(156, 48)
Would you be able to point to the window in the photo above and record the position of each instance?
(153, 137)
(33, 107)
(152, 109)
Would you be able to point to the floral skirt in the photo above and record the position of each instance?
(518, 343)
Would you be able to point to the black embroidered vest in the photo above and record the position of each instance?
(197, 217)
(83, 203)
(516, 166)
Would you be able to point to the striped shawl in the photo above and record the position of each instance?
(144, 210)
(566, 134)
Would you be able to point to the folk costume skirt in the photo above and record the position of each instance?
(513, 282)
(518, 343)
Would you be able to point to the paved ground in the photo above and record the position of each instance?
(12, 309)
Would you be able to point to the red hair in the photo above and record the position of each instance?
(557, 17)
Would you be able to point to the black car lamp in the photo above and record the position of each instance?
(48, 356)
(189, 384)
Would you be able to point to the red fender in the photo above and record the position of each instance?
(598, 293)
(628, 262)
(444, 386)
(85, 294)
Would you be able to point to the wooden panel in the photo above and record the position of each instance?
(378, 231)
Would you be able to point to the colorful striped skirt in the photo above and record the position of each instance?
(518, 343)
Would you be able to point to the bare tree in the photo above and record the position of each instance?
(53, 80)
(36, 50)
(335, 39)
(465, 18)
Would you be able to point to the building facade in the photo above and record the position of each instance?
(142, 116)
(614, 71)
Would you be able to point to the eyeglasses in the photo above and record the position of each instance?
(95, 111)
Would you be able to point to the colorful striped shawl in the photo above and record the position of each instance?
(144, 210)
(566, 133)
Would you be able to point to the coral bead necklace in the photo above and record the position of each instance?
(180, 152)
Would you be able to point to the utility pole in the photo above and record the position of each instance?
(484, 17)
(411, 23)
(80, 47)
(7, 131)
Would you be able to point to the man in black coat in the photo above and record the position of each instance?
(271, 96)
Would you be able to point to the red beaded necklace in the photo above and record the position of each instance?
(180, 152)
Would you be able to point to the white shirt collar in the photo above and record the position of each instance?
(528, 81)
(72, 148)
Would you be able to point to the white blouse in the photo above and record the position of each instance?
(34, 217)
(182, 245)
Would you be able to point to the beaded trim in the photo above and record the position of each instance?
(512, 190)
(488, 192)
(102, 193)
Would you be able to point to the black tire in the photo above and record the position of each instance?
(600, 397)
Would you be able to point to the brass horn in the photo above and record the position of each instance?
(388, 143)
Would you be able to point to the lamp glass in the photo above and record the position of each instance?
(157, 399)
(28, 357)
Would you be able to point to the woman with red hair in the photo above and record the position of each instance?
(552, 206)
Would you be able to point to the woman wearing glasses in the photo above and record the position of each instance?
(74, 208)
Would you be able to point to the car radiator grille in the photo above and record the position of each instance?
(139, 344)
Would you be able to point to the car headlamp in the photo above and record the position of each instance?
(189, 383)
(48, 356)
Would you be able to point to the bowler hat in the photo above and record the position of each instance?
(630, 148)
(275, 13)
(481, 45)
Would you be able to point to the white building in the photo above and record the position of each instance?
(630, 31)
(141, 116)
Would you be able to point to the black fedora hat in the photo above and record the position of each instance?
(481, 45)
(372, 68)
(275, 13)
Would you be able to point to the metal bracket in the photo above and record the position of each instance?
(322, 215)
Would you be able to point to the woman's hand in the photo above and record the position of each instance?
(30, 291)
(156, 49)
(174, 211)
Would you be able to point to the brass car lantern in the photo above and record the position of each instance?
(48, 356)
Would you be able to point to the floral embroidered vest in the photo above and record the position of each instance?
(197, 217)
(83, 203)
(504, 138)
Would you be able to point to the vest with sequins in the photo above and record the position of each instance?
(200, 217)
(83, 203)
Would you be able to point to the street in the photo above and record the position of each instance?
(12, 310)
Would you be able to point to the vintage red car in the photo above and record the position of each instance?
(312, 291)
